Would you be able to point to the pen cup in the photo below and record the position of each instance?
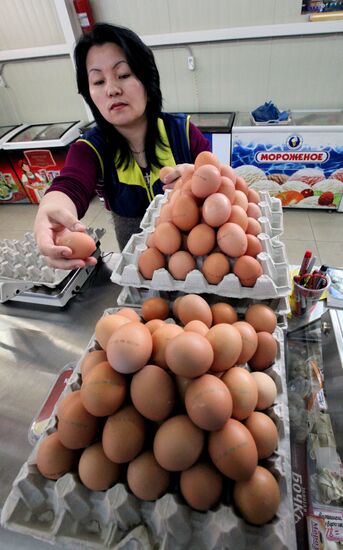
(304, 296)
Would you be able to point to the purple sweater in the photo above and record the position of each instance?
(81, 171)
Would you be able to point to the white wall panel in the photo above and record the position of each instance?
(44, 91)
(28, 23)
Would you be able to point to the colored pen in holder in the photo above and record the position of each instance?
(308, 288)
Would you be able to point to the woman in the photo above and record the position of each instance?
(121, 157)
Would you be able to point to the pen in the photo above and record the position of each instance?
(322, 281)
(305, 262)
(311, 264)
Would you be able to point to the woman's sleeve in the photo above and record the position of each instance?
(79, 176)
(197, 141)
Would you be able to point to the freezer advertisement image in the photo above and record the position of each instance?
(36, 168)
(293, 166)
(11, 190)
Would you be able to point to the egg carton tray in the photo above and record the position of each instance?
(65, 512)
(271, 209)
(274, 282)
(134, 297)
(22, 261)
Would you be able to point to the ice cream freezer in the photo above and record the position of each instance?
(300, 161)
(217, 128)
(37, 153)
(11, 190)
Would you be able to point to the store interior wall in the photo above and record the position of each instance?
(302, 72)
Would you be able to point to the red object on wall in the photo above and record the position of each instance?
(85, 14)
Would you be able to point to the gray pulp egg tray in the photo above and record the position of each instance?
(65, 512)
(274, 282)
(22, 266)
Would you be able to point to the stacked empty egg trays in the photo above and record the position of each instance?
(274, 282)
(65, 512)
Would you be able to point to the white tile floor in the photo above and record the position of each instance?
(321, 232)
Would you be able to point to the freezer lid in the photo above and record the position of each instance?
(57, 134)
(332, 117)
(6, 132)
(220, 122)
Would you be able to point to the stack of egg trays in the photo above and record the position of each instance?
(21, 260)
(274, 282)
(65, 512)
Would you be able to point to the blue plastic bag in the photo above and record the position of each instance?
(269, 111)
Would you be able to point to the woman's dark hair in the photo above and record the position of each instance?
(142, 63)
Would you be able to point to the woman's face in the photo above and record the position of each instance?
(118, 94)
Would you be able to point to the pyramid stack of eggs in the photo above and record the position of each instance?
(210, 221)
(174, 401)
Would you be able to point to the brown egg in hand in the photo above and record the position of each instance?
(81, 244)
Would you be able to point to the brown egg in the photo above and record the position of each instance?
(205, 181)
(189, 354)
(264, 432)
(81, 244)
(106, 326)
(206, 157)
(233, 450)
(241, 185)
(152, 392)
(150, 242)
(130, 313)
(96, 471)
(232, 240)
(254, 246)
(243, 390)
(266, 390)
(201, 486)
(239, 216)
(249, 340)
(215, 267)
(216, 209)
(241, 199)
(208, 402)
(155, 308)
(253, 196)
(76, 426)
(185, 213)
(180, 264)
(257, 498)
(201, 239)
(226, 342)
(160, 339)
(154, 324)
(91, 359)
(53, 458)
(104, 390)
(175, 305)
(248, 270)
(228, 172)
(178, 443)
(129, 348)
(191, 307)
(149, 261)
(254, 228)
(227, 187)
(254, 211)
(167, 238)
(196, 326)
(123, 435)
(146, 478)
(166, 213)
(261, 317)
(266, 352)
(223, 313)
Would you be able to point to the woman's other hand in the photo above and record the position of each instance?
(169, 177)
(56, 213)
